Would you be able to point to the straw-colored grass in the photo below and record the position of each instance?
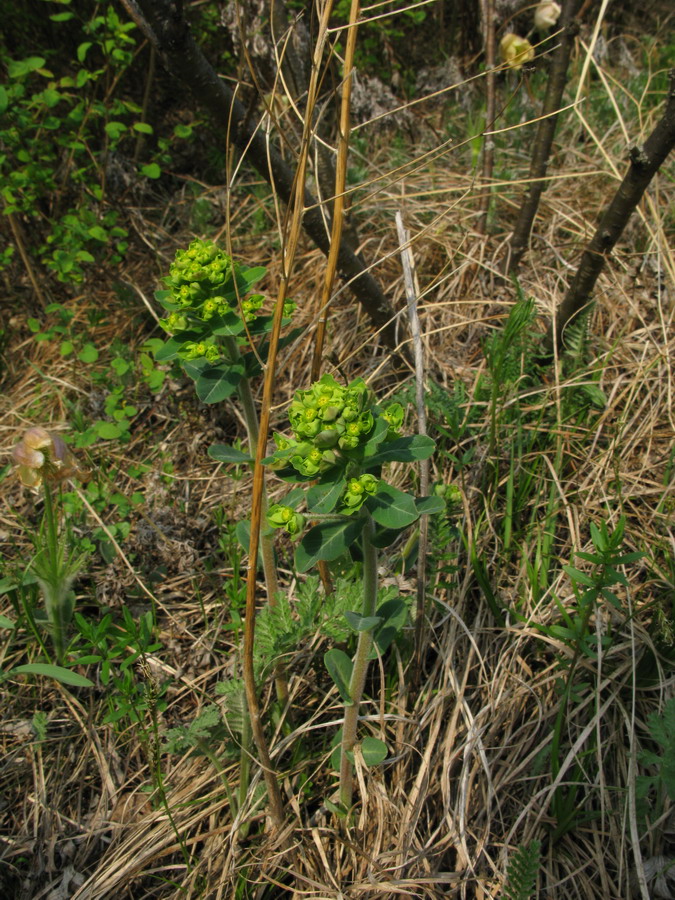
(468, 780)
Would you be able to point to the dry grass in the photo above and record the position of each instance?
(468, 780)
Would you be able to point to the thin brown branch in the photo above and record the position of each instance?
(645, 162)
(543, 141)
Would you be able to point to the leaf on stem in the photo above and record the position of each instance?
(339, 667)
(405, 449)
(327, 541)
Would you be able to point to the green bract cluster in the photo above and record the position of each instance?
(336, 429)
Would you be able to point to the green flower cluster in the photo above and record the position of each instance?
(280, 516)
(331, 416)
(357, 492)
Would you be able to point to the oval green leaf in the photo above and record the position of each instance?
(374, 751)
(339, 667)
(327, 541)
(405, 449)
(392, 508)
(225, 453)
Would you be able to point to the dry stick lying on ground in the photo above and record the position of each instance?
(645, 162)
(162, 22)
(555, 86)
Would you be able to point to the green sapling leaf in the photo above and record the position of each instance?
(322, 498)
(339, 667)
(429, 506)
(374, 751)
(216, 383)
(225, 453)
(361, 623)
(392, 508)
(152, 170)
(405, 449)
(327, 541)
(394, 616)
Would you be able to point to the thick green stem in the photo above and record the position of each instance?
(360, 667)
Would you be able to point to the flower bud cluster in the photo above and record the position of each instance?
(280, 516)
(357, 492)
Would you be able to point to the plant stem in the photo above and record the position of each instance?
(53, 587)
(360, 667)
(266, 541)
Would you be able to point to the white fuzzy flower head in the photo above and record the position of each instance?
(546, 15)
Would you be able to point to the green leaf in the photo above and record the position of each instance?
(16, 68)
(4, 100)
(65, 676)
(6, 623)
(115, 130)
(66, 348)
(336, 808)
(392, 508)
(225, 453)
(578, 577)
(216, 383)
(152, 170)
(143, 127)
(429, 506)
(108, 431)
(82, 51)
(322, 498)
(394, 615)
(242, 531)
(98, 233)
(252, 275)
(378, 434)
(88, 354)
(374, 751)
(405, 449)
(361, 623)
(328, 541)
(339, 667)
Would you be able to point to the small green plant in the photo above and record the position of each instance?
(341, 440)
(44, 460)
(590, 590)
(521, 873)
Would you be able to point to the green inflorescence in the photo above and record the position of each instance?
(331, 425)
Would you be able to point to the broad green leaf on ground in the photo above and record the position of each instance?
(429, 506)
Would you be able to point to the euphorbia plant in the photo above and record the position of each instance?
(341, 439)
(214, 321)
